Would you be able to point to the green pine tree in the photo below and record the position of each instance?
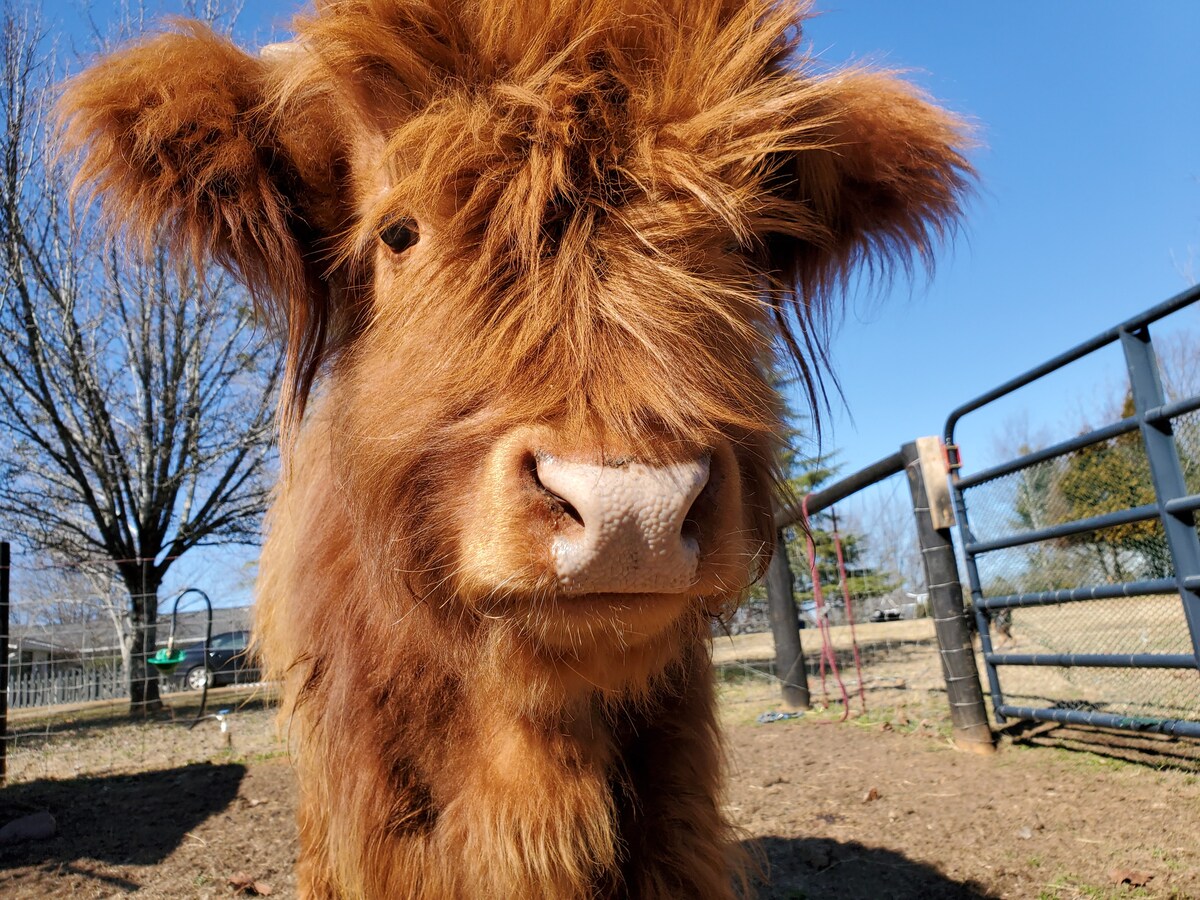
(1108, 477)
(805, 473)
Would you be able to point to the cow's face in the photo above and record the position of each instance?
(544, 259)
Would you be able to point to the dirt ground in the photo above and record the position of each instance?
(880, 806)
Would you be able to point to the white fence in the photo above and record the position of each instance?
(58, 688)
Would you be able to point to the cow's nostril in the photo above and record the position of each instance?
(690, 530)
(568, 510)
(557, 501)
(698, 513)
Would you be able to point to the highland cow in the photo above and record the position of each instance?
(533, 262)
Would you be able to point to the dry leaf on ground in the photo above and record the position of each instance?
(245, 884)
(1130, 877)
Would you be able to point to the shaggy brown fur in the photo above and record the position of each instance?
(623, 208)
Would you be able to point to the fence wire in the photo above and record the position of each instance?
(71, 671)
(1108, 477)
(884, 582)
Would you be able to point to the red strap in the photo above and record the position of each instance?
(827, 655)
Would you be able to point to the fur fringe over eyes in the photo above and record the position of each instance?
(533, 133)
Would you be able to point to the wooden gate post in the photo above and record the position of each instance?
(924, 462)
(785, 628)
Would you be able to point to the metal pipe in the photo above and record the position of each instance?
(1031, 459)
(1183, 505)
(1074, 595)
(1191, 295)
(1166, 473)
(1157, 414)
(840, 490)
(982, 622)
(207, 640)
(1094, 523)
(1096, 660)
(1104, 720)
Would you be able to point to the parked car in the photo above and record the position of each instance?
(226, 660)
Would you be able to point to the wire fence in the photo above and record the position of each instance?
(1103, 478)
(72, 669)
(1082, 547)
(880, 650)
(869, 643)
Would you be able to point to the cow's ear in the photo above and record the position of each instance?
(880, 179)
(871, 174)
(183, 141)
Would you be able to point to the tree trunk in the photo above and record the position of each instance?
(143, 606)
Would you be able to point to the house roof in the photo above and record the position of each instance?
(100, 636)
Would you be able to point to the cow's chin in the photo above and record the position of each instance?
(606, 623)
(566, 624)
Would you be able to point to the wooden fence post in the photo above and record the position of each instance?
(785, 628)
(924, 463)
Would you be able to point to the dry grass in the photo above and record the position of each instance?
(902, 683)
(99, 738)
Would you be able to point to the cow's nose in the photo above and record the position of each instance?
(629, 527)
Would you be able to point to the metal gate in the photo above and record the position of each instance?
(1083, 559)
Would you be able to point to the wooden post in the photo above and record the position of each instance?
(785, 628)
(925, 466)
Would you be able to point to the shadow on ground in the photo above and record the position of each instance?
(813, 868)
(1155, 751)
(119, 819)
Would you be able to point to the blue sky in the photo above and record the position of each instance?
(1088, 208)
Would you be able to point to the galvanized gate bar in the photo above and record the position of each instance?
(1166, 473)
(1121, 517)
(1116, 429)
(1032, 459)
(1145, 588)
(1176, 727)
(1096, 660)
(1179, 301)
(1180, 505)
(840, 490)
(1173, 409)
(981, 619)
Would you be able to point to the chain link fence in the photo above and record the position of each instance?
(69, 683)
(1082, 550)
(1128, 626)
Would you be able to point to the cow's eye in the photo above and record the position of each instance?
(400, 234)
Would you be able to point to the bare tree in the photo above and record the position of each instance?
(136, 419)
(885, 517)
